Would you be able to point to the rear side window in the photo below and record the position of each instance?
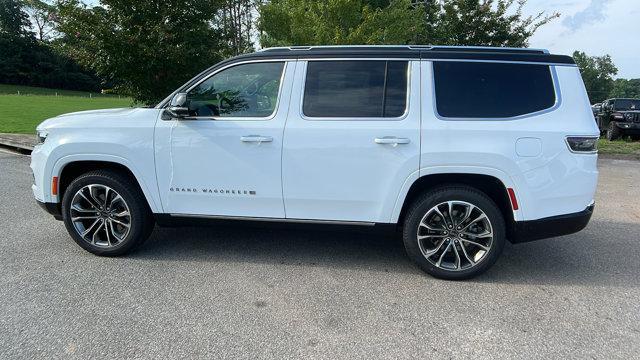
(491, 90)
(355, 89)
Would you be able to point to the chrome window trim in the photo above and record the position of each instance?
(338, 118)
(242, 118)
(555, 106)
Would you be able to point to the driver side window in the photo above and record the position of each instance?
(242, 91)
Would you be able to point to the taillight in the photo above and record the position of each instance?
(512, 197)
(583, 144)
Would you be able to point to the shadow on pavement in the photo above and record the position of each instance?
(605, 253)
(368, 250)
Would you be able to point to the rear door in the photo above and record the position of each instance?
(351, 138)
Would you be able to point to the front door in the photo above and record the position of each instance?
(225, 159)
(352, 138)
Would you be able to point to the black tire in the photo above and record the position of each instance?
(613, 132)
(141, 218)
(440, 195)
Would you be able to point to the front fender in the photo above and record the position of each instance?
(150, 193)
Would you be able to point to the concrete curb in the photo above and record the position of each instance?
(23, 142)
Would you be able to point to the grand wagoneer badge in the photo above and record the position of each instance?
(212, 191)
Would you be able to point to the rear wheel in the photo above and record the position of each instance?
(454, 232)
(105, 213)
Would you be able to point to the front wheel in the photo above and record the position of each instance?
(106, 214)
(613, 132)
(454, 232)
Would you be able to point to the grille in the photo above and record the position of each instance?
(633, 117)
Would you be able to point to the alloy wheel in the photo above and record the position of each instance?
(100, 215)
(455, 235)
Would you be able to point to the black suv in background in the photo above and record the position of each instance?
(619, 117)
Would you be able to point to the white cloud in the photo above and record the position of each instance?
(596, 11)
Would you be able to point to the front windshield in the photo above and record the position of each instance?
(627, 104)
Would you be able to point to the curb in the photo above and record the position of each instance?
(18, 141)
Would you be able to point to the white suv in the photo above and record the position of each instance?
(462, 148)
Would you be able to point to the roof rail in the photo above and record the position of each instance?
(495, 49)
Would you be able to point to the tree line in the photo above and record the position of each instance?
(145, 49)
(26, 59)
(597, 74)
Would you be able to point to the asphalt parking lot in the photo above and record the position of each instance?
(239, 293)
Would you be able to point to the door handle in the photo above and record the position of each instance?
(256, 138)
(391, 140)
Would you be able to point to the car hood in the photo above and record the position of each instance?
(101, 112)
(96, 118)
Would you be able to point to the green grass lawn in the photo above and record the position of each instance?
(22, 113)
(619, 147)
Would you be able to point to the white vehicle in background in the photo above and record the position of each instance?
(463, 148)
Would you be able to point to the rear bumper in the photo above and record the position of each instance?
(525, 231)
(51, 208)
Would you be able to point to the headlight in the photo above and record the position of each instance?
(42, 136)
(618, 116)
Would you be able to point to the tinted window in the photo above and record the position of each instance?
(249, 90)
(355, 89)
(627, 104)
(491, 90)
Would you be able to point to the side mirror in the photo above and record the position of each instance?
(177, 108)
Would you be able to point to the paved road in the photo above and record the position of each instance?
(255, 293)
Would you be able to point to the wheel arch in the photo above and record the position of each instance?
(70, 167)
(491, 185)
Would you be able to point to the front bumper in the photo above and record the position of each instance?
(51, 208)
(525, 231)
(628, 127)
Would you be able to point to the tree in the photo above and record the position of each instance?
(597, 73)
(145, 48)
(303, 22)
(15, 41)
(43, 18)
(623, 88)
(26, 61)
(446, 22)
(482, 22)
(235, 20)
(14, 22)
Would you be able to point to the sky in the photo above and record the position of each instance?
(597, 27)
